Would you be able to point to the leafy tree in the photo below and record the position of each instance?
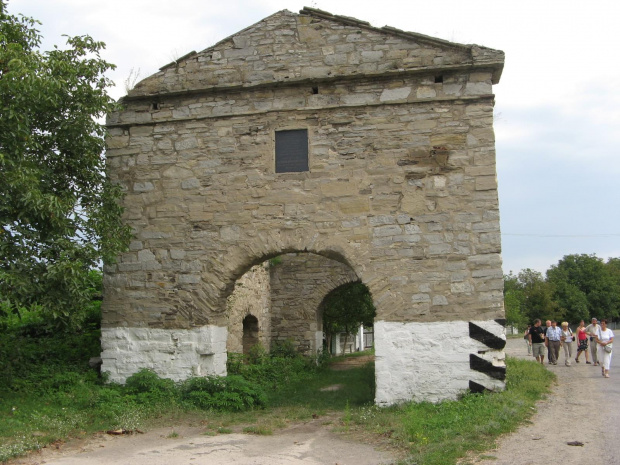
(530, 296)
(586, 287)
(59, 215)
(346, 308)
(514, 302)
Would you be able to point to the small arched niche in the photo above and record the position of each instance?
(250, 333)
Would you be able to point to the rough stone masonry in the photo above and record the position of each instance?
(313, 133)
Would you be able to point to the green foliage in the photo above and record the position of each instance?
(355, 387)
(284, 349)
(275, 261)
(346, 308)
(586, 287)
(578, 288)
(441, 434)
(231, 393)
(322, 358)
(514, 304)
(257, 354)
(59, 215)
(269, 371)
(258, 430)
(147, 381)
(528, 296)
(32, 351)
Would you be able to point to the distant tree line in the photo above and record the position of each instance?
(579, 287)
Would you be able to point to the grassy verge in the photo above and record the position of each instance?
(50, 395)
(440, 434)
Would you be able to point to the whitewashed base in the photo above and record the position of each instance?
(431, 361)
(414, 361)
(172, 353)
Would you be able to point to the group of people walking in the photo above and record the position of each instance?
(550, 339)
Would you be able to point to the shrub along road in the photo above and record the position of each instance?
(582, 408)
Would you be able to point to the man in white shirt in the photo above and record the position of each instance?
(554, 336)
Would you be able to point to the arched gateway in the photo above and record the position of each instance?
(313, 133)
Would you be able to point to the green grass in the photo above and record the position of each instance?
(50, 394)
(357, 387)
(258, 430)
(440, 434)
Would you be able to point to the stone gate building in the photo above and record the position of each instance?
(313, 133)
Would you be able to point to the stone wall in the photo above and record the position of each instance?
(176, 354)
(298, 286)
(401, 186)
(375, 195)
(251, 296)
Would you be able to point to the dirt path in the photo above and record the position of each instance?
(581, 408)
(309, 443)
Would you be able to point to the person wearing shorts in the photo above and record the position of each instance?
(537, 339)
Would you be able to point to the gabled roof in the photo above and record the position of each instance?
(480, 54)
(197, 71)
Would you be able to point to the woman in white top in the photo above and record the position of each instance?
(604, 339)
(567, 343)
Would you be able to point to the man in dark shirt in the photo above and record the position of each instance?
(537, 338)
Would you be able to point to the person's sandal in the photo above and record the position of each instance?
(588, 363)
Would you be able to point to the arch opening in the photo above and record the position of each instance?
(284, 294)
(347, 316)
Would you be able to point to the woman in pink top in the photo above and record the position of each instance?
(582, 342)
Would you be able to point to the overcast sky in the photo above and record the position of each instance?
(557, 104)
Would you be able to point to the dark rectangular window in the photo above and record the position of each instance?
(292, 151)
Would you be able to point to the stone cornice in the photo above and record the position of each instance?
(456, 100)
(390, 74)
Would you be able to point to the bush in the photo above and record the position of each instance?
(322, 358)
(147, 381)
(257, 355)
(223, 393)
(284, 349)
(32, 353)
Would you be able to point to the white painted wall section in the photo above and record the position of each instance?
(318, 341)
(431, 361)
(172, 353)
